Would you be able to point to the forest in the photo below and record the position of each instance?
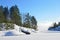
(13, 15)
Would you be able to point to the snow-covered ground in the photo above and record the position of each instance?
(15, 32)
(35, 36)
(39, 35)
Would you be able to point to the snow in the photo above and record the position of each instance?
(11, 33)
(35, 36)
(19, 28)
(16, 31)
(28, 29)
(16, 27)
(39, 35)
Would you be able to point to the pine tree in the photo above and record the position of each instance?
(15, 15)
(6, 14)
(33, 22)
(27, 21)
(58, 23)
(2, 19)
(55, 25)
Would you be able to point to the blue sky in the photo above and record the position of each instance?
(43, 10)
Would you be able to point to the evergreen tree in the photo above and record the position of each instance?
(55, 25)
(27, 21)
(2, 19)
(6, 14)
(34, 22)
(58, 23)
(15, 15)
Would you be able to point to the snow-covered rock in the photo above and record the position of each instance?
(28, 30)
(16, 27)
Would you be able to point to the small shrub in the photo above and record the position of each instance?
(9, 26)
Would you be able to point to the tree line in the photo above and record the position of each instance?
(55, 27)
(13, 15)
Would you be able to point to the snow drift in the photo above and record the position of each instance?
(16, 31)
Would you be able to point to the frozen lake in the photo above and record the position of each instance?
(34, 36)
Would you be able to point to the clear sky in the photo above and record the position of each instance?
(43, 10)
